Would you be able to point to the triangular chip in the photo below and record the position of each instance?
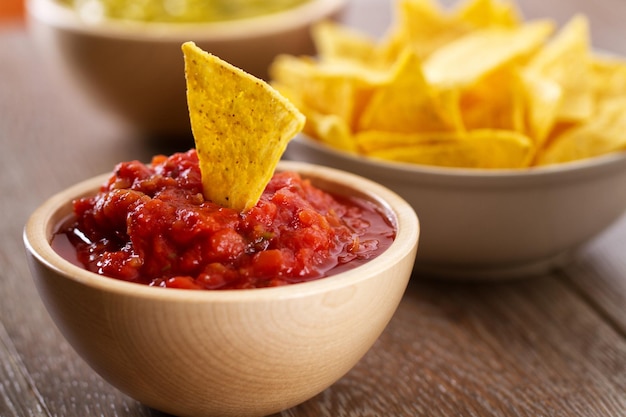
(495, 101)
(241, 127)
(337, 42)
(603, 134)
(566, 60)
(483, 148)
(473, 56)
(488, 13)
(407, 103)
(543, 98)
(608, 77)
(422, 26)
(339, 87)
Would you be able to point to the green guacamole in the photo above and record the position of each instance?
(178, 10)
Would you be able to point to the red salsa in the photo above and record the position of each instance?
(150, 224)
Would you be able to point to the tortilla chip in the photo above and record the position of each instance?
(341, 88)
(566, 60)
(241, 127)
(485, 149)
(336, 42)
(489, 13)
(407, 103)
(603, 134)
(468, 59)
(372, 141)
(497, 101)
(609, 78)
(543, 98)
(333, 131)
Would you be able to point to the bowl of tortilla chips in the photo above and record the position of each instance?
(506, 135)
(127, 57)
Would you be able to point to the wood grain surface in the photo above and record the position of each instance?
(550, 346)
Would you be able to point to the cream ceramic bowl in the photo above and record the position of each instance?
(479, 224)
(136, 69)
(231, 352)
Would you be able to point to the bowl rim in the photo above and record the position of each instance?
(55, 14)
(36, 237)
(405, 171)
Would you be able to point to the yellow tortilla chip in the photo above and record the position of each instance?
(486, 149)
(489, 13)
(471, 57)
(566, 60)
(422, 26)
(425, 27)
(495, 102)
(609, 78)
(332, 130)
(542, 97)
(372, 141)
(241, 127)
(604, 133)
(328, 128)
(408, 104)
(341, 88)
(336, 42)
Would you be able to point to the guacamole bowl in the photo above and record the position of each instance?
(494, 224)
(134, 69)
(241, 352)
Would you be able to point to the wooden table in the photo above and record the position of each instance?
(550, 346)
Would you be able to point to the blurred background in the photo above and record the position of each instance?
(605, 17)
(608, 14)
(11, 10)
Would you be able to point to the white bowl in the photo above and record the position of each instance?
(481, 224)
(226, 352)
(136, 69)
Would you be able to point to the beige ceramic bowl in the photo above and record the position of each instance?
(136, 69)
(230, 352)
(479, 224)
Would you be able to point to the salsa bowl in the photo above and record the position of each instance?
(134, 69)
(240, 352)
(494, 224)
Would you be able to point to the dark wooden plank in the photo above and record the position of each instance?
(18, 393)
(516, 349)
